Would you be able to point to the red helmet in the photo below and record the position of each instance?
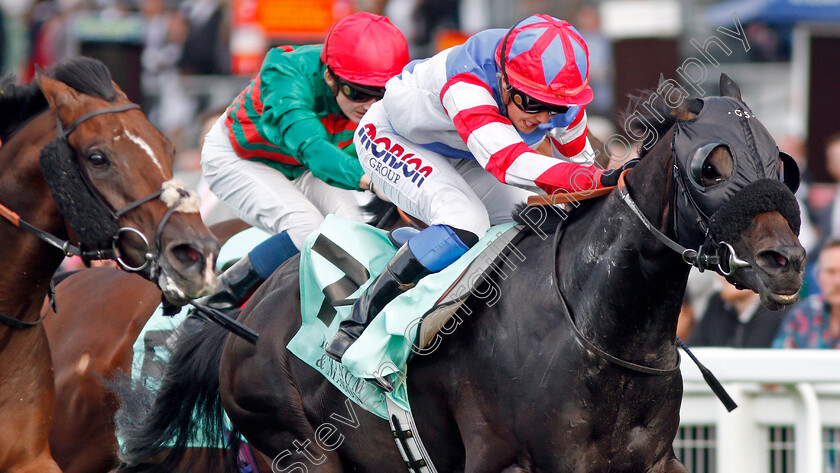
(547, 59)
(366, 49)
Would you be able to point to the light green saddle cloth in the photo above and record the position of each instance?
(338, 262)
(151, 350)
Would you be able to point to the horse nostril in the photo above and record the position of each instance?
(186, 254)
(781, 259)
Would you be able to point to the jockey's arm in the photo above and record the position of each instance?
(498, 147)
(288, 111)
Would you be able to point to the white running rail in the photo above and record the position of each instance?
(773, 388)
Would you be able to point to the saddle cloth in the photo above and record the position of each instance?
(337, 263)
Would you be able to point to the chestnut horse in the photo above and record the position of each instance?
(118, 304)
(574, 368)
(82, 171)
(99, 314)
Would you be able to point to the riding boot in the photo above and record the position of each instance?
(235, 286)
(238, 282)
(402, 273)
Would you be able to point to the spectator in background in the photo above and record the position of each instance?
(50, 37)
(430, 18)
(377, 7)
(815, 321)
(736, 318)
(170, 107)
(765, 43)
(686, 321)
(205, 49)
(3, 42)
(829, 221)
(825, 215)
(588, 22)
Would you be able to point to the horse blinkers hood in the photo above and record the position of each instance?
(754, 157)
(82, 209)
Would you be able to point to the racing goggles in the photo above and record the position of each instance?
(530, 105)
(357, 92)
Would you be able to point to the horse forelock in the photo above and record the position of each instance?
(87, 76)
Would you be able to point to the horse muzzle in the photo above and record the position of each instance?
(187, 269)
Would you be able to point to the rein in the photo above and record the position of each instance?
(708, 376)
(589, 344)
(113, 253)
(21, 324)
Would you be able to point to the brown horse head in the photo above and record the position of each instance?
(111, 157)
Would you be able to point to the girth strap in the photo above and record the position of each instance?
(589, 345)
(408, 442)
(585, 342)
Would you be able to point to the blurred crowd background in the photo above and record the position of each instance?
(185, 60)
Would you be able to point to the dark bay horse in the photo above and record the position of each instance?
(81, 170)
(575, 368)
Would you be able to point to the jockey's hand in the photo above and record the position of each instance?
(379, 193)
(364, 183)
(610, 178)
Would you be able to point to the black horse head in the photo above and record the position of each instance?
(729, 178)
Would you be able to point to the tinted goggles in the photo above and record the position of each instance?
(358, 92)
(531, 105)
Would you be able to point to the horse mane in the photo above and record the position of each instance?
(22, 102)
(552, 218)
(655, 113)
(382, 214)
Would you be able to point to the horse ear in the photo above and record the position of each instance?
(59, 95)
(728, 87)
(120, 94)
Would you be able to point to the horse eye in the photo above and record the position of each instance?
(97, 160)
(712, 164)
(710, 173)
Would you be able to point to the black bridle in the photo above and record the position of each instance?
(711, 255)
(150, 269)
(719, 256)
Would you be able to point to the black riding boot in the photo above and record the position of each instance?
(235, 286)
(401, 274)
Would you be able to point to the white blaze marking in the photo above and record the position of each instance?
(145, 147)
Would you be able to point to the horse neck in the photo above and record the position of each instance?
(28, 262)
(629, 285)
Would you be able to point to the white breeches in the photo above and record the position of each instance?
(428, 185)
(265, 198)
